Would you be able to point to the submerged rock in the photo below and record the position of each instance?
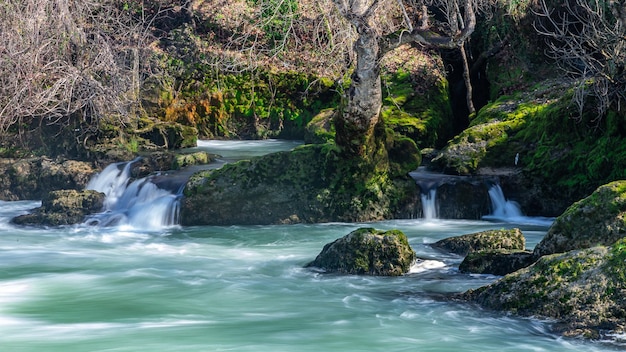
(64, 207)
(584, 291)
(367, 251)
(498, 262)
(599, 219)
(512, 239)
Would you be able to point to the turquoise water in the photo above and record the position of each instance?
(242, 288)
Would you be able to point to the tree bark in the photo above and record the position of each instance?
(356, 122)
(467, 80)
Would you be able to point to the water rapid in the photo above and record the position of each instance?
(429, 204)
(502, 207)
(241, 288)
(507, 210)
(140, 203)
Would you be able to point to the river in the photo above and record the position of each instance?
(243, 288)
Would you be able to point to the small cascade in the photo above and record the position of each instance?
(112, 181)
(501, 207)
(429, 204)
(148, 203)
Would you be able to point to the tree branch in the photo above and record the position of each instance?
(425, 36)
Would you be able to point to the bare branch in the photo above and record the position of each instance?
(588, 42)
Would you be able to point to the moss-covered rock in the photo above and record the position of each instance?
(416, 99)
(169, 135)
(63, 207)
(584, 291)
(367, 251)
(599, 219)
(556, 155)
(168, 160)
(512, 239)
(321, 129)
(33, 178)
(490, 140)
(496, 262)
(312, 183)
(463, 199)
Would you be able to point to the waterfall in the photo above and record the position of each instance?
(501, 207)
(429, 204)
(147, 203)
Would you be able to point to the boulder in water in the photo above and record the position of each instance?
(367, 251)
(599, 219)
(512, 239)
(64, 207)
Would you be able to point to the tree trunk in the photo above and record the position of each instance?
(468, 81)
(355, 123)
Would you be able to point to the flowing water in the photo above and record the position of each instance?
(242, 288)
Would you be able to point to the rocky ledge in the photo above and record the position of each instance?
(497, 252)
(63, 207)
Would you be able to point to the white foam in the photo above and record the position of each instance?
(425, 265)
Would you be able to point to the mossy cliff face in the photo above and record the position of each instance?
(313, 183)
(583, 291)
(416, 100)
(599, 219)
(367, 251)
(552, 158)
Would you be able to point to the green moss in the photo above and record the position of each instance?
(257, 104)
(617, 263)
(416, 100)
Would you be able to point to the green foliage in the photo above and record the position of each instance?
(520, 55)
(277, 17)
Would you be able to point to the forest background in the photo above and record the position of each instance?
(539, 85)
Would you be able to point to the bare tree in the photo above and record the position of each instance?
(383, 26)
(588, 40)
(64, 58)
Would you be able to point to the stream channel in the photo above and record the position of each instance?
(132, 287)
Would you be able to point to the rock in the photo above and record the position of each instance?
(512, 239)
(168, 160)
(367, 251)
(584, 291)
(170, 135)
(33, 178)
(498, 262)
(599, 219)
(463, 200)
(64, 207)
(320, 129)
(310, 184)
